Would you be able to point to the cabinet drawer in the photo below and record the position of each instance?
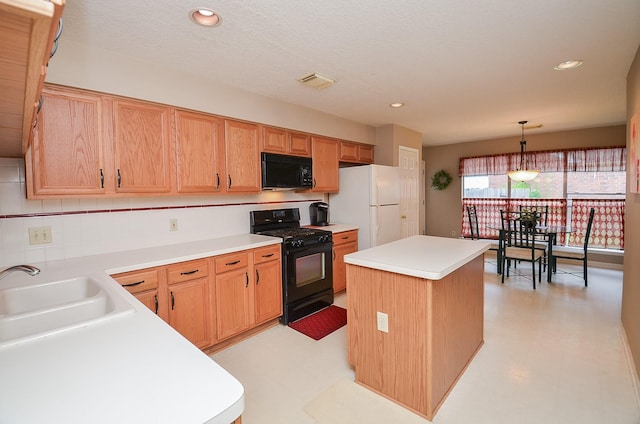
(138, 281)
(185, 271)
(265, 254)
(231, 261)
(345, 237)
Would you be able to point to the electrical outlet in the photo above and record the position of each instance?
(453, 233)
(40, 235)
(383, 322)
(173, 225)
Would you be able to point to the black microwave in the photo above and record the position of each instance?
(285, 172)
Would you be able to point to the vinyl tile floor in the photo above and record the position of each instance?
(553, 355)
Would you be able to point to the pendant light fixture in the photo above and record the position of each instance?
(521, 173)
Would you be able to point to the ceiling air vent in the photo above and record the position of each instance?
(316, 81)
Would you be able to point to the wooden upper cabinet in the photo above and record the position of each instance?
(199, 153)
(141, 133)
(356, 152)
(281, 141)
(325, 153)
(300, 144)
(67, 154)
(242, 157)
(275, 140)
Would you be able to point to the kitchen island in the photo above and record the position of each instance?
(415, 317)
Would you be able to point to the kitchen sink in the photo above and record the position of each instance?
(42, 310)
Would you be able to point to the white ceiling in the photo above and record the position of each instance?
(466, 70)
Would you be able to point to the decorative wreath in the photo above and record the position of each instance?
(441, 180)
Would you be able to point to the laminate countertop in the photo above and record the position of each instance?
(335, 228)
(420, 256)
(131, 369)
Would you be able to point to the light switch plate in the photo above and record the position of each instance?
(40, 235)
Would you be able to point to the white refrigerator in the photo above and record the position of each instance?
(369, 197)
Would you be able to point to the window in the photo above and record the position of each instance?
(585, 178)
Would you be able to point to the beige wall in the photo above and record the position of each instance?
(77, 65)
(389, 138)
(444, 208)
(631, 282)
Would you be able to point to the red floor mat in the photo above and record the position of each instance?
(321, 323)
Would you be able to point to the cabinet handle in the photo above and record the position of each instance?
(137, 283)
(101, 178)
(119, 178)
(257, 277)
(173, 301)
(246, 275)
(314, 182)
(334, 254)
(345, 237)
(218, 179)
(189, 272)
(232, 263)
(229, 180)
(267, 256)
(155, 297)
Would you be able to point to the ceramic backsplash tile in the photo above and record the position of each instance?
(78, 229)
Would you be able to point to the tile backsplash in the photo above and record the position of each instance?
(83, 227)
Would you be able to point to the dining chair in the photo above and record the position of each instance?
(475, 229)
(564, 252)
(520, 246)
(539, 216)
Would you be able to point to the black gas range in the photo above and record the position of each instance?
(307, 261)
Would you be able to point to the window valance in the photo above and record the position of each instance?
(575, 160)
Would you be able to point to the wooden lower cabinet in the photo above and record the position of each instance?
(268, 283)
(149, 287)
(188, 293)
(233, 294)
(343, 243)
(248, 289)
(212, 299)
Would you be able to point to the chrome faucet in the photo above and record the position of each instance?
(29, 269)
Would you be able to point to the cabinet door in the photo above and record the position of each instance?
(268, 291)
(275, 140)
(325, 164)
(150, 300)
(141, 147)
(199, 148)
(339, 267)
(242, 153)
(348, 152)
(365, 153)
(233, 306)
(189, 310)
(67, 154)
(300, 144)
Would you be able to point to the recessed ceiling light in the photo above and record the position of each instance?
(205, 17)
(396, 105)
(567, 64)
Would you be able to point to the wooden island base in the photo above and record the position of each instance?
(435, 329)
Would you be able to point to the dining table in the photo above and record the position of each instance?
(548, 232)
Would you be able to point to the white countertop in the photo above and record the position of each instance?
(335, 228)
(420, 256)
(132, 369)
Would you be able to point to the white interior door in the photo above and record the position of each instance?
(409, 185)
